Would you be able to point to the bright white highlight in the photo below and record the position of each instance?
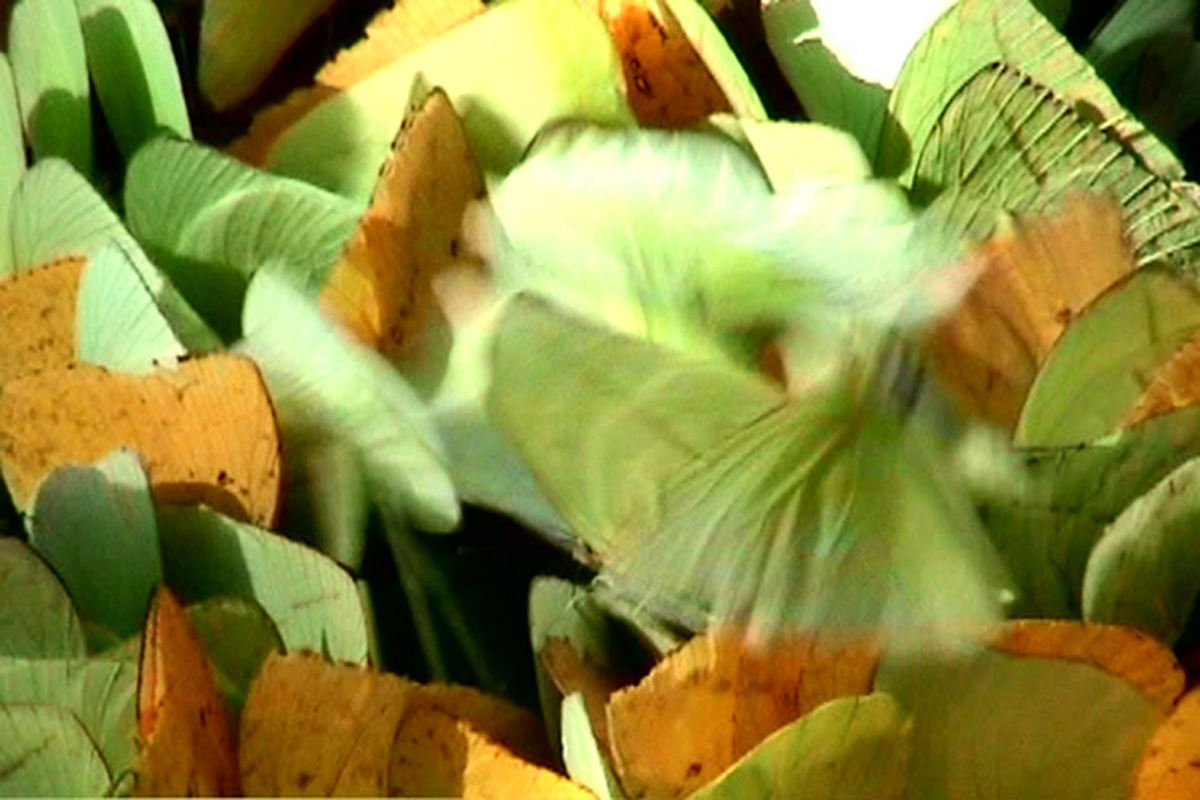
(871, 38)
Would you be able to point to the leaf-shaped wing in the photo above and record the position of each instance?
(701, 485)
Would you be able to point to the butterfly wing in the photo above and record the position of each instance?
(705, 490)
(676, 236)
(824, 514)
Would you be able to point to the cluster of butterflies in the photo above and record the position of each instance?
(718, 383)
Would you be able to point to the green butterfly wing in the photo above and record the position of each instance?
(1142, 570)
(211, 222)
(678, 237)
(56, 213)
(95, 526)
(310, 598)
(974, 40)
(1093, 376)
(45, 45)
(990, 725)
(581, 753)
(101, 694)
(326, 386)
(133, 70)
(604, 419)
(48, 753)
(706, 490)
(12, 159)
(1047, 527)
(119, 324)
(851, 748)
(825, 513)
(37, 618)
(1006, 142)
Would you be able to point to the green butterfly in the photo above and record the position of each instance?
(709, 493)
(663, 261)
(676, 236)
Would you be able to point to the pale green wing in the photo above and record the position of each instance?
(133, 70)
(45, 752)
(706, 490)
(212, 221)
(1142, 572)
(581, 754)
(1007, 143)
(194, 201)
(1095, 374)
(101, 694)
(12, 159)
(1047, 529)
(794, 153)
(119, 326)
(311, 599)
(37, 619)
(322, 382)
(548, 59)
(852, 748)
(679, 239)
(488, 472)
(95, 526)
(994, 726)
(981, 36)
(45, 44)
(792, 521)
(483, 464)
(56, 213)
(641, 248)
(618, 244)
(603, 420)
